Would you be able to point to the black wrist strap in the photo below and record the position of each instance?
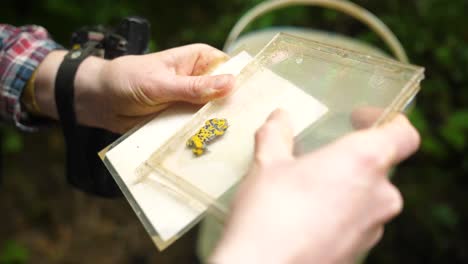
(84, 169)
(64, 87)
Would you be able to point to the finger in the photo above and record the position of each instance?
(390, 204)
(376, 236)
(375, 149)
(372, 237)
(199, 89)
(274, 140)
(387, 205)
(364, 151)
(365, 117)
(402, 135)
(196, 59)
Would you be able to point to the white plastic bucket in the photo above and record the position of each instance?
(253, 42)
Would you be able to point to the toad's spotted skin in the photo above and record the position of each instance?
(212, 129)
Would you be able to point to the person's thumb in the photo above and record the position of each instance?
(201, 89)
(274, 140)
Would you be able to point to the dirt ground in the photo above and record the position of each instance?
(57, 224)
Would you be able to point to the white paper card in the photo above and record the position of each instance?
(228, 159)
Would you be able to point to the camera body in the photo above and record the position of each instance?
(130, 36)
(84, 168)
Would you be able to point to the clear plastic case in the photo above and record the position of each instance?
(328, 92)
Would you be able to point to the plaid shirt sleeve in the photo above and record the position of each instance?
(22, 49)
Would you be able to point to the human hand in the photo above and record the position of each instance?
(118, 94)
(328, 206)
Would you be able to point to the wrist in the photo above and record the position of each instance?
(87, 86)
(89, 90)
(45, 83)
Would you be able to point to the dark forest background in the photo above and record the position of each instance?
(42, 220)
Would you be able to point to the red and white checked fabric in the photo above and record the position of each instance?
(22, 49)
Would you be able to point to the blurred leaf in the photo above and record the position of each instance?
(330, 15)
(455, 130)
(12, 141)
(444, 55)
(418, 120)
(429, 144)
(152, 47)
(445, 215)
(13, 253)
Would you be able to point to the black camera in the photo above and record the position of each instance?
(131, 36)
(84, 169)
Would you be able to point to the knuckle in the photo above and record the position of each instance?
(195, 87)
(261, 133)
(394, 201)
(375, 237)
(371, 152)
(367, 156)
(412, 135)
(202, 45)
(267, 129)
(379, 234)
(415, 136)
(261, 159)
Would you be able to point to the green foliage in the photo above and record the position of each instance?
(445, 215)
(13, 253)
(11, 140)
(432, 226)
(455, 129)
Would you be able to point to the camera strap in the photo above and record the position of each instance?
(84, 169)
(82, 143)
(64, 84)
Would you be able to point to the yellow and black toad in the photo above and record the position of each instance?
(212, 129)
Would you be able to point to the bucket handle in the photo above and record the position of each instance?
(344, 6)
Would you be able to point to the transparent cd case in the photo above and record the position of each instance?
(201, 155)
